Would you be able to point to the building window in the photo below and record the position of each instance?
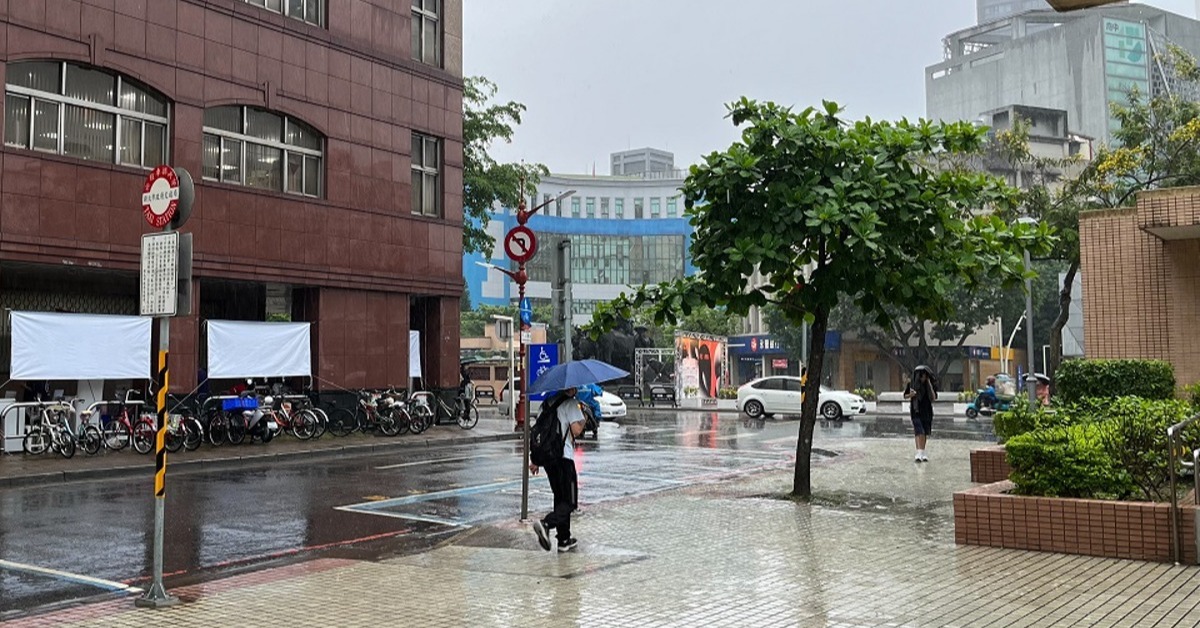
(591, 207)
(558, 207)
(259, 149)
(656, 208)
(426, 174)
(673, 207)
(639, 210)
(84, 112)
(575, 207)
(620, 207)
(604, 207)
(311, 11)
(546, 202)
(617, 260)
(426, 32)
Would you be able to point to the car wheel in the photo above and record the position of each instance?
(754, 409)
(831, 410)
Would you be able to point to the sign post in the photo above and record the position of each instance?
(520, 244)
(166, 203)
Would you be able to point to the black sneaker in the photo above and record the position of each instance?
(568, 545)
(543, 536)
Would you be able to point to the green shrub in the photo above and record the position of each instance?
(1020, 419)
(1136, 440)
(1079, 379)
(727, 393)
(1067, 461)
(866, 393)
(1192, 394)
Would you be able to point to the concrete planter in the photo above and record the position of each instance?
(989, 515)
(989, 464)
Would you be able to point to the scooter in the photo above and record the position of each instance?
(978, 407)
(262, 425)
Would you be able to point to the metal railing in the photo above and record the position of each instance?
(1174, 461)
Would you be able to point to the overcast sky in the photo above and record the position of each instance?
(600, 76)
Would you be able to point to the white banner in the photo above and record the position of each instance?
(49, 346)
(238, 349)
(414, 354)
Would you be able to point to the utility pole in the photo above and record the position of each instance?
(563, 306)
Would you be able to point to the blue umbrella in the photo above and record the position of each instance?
(574, 375)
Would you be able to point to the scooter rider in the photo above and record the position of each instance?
(587, 395)
(987, 398)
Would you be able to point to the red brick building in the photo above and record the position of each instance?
(325, 139)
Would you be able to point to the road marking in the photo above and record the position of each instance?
(396, 515)
(437, 460)
(69, 577)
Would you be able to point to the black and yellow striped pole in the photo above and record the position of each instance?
(156, 596)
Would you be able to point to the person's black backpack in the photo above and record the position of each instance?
(546, 439)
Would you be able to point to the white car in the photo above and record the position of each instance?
(781, 395)
(611, 406)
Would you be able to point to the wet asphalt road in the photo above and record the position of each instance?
(74, 541)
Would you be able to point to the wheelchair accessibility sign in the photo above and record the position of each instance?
(541, 359)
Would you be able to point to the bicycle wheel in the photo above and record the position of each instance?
(237, 428)
(193, 433)
(173, 439)
(144, 435)
(322, 421)
(37, 440)
(342, 422)
(116, 435)
(218, 428)
(388, 425)
(469, 418)
(63, 443)
(91, 440)
(403, 419)
(304, 424)
(422, 418)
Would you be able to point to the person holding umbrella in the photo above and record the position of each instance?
(562, 421)
(921, 392)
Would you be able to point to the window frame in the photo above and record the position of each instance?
(285, 149)
(285, 9)
(419, 16)
(120, 114)
(435, 171)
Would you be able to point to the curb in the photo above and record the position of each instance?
(234, 462)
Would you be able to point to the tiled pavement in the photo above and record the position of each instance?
(875, 549)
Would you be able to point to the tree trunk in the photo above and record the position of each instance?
(1064, 313)
(802, 483)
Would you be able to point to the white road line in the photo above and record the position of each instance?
(437, 460)
(396, 515)
(70, 577)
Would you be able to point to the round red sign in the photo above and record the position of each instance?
(160, 196)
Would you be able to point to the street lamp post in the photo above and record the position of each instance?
(521, 277)
(1030, 379)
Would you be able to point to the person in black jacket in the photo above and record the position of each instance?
(921, 392)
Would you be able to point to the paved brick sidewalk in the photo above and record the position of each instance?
(875, 549)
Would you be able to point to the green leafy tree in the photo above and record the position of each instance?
(821, 207)
(487, 182)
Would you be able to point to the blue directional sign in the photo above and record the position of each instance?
(526, 312)
(541, 359)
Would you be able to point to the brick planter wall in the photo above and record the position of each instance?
(989, 464)
(988, 515)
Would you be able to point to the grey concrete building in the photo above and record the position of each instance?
(643, 161)
(989, 10)
(1074, 62)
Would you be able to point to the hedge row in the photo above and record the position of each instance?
(1076, 380)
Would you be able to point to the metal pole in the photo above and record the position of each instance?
(156, 596)
(1171, 458)
(521, 386)
(1030, 380)
(512, 370)
(568, 306)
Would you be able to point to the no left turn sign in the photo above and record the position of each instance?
(520, 244)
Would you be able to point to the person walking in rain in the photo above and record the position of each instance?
(921, 392)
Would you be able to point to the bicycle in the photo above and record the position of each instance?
(118, 432)
(50, 432)
(299, 421)
(465, 411)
